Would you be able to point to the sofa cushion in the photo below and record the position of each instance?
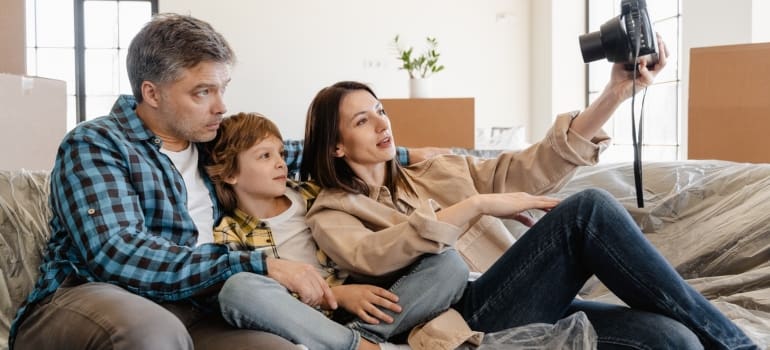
(24, 215)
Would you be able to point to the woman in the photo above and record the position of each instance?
(373, 217)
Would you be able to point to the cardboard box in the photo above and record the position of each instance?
(33, 121)
(12, 37)
(729, 103)
(439, 122)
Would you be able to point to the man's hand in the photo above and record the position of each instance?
(419, 154)
(365, 301)
(302, 279)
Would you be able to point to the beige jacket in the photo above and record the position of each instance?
(368, 235)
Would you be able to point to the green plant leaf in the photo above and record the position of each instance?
(422, 65)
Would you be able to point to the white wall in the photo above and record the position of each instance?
(288, 50)
(760, 31)
(542, 69)
(518, 58)
(558, 78)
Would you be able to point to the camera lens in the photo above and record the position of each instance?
(591, 46)
(610, 41)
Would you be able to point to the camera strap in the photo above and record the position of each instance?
(637, 144)
(637, 136)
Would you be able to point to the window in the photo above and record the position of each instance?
(84, 43)
(662, 116)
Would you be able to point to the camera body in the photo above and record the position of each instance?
(623, 39)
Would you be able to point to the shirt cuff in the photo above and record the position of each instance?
(427, 225)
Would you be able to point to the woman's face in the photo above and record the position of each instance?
(365, 136)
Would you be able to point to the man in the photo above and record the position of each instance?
(128, 265)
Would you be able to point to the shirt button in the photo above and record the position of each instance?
(156, 140)
(91, 211)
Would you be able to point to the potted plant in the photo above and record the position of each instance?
(420, 67)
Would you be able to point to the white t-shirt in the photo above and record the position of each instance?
(198, 200)
(292, 235)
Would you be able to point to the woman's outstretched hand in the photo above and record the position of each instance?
(502, 205)
(514, 205)
(622, 80)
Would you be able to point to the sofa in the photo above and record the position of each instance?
(24, 214)
(710, 219)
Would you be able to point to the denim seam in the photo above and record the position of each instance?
(265, 327)
(623, 342)
(356, 325)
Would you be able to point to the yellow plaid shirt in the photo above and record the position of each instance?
(240, 231)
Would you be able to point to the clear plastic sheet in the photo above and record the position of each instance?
(571, 333)
(709, 218)
(24, 214)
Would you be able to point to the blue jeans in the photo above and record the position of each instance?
(589, 233)
(428, 287)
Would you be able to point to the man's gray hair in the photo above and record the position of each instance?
(169, 43)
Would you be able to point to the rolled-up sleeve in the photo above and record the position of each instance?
(541, 168)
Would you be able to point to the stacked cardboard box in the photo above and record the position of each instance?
(33, 120)
(729, 103)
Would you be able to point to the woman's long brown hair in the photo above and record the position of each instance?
(322, 134)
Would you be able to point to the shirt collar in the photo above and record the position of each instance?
(382, 194)
(246, 221)
(124, 110)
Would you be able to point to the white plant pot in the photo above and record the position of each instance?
(419, 88)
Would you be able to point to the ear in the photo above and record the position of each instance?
(338, 152)
(151, 93)
(231, 180)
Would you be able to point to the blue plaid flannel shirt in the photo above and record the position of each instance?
(120, 216)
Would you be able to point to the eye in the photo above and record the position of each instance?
(265, 155)
(203, 92)
(362, 121)
(381, 111)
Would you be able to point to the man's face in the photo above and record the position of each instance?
(191, 107)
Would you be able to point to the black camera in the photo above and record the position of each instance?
(623, 39)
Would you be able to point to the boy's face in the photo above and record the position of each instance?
(262, 171)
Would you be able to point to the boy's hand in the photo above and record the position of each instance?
(302, 279)
(365, 301)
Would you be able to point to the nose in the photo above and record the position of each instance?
(383, 123)
(281, 163)
(219, 106)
